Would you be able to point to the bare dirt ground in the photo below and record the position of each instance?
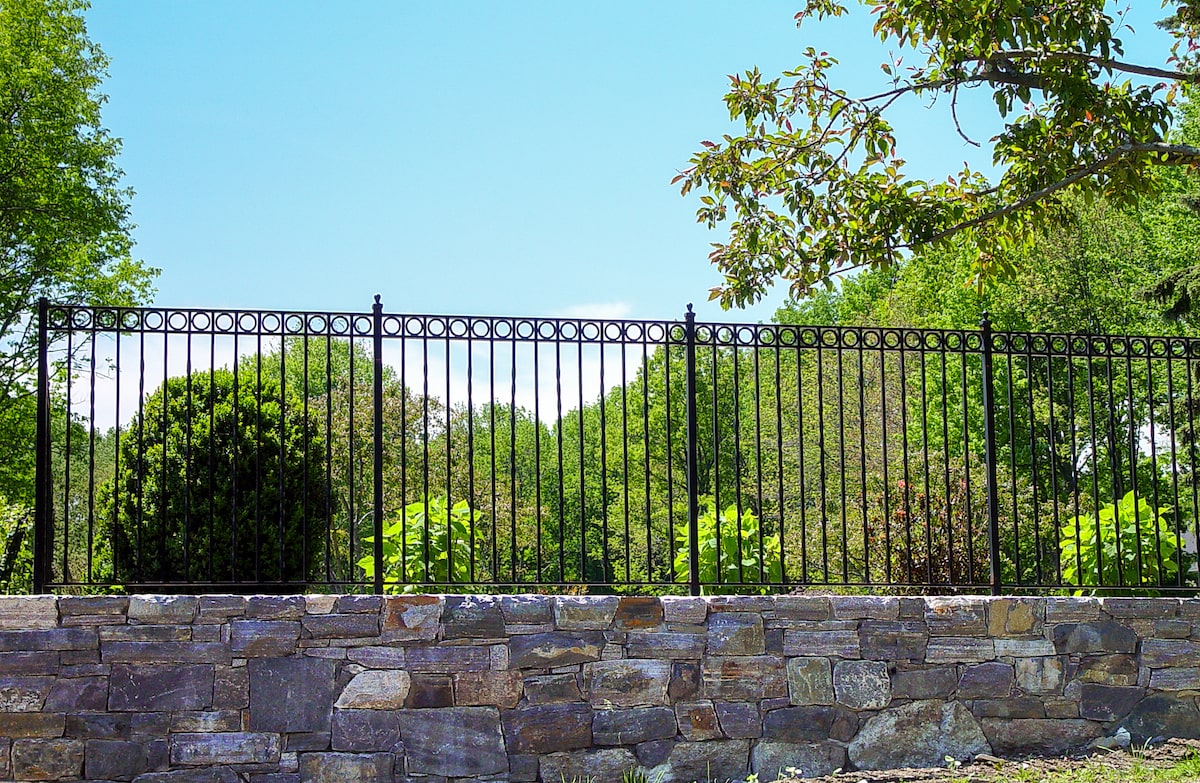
(1167, 754)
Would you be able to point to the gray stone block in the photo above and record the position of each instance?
(735, 633)
(1185, 679)
(917, 734)
(472, 617)
(744, 678)
(447, 659)
(77, 694)
(653, 753)
(548, 728)
(893, 640)
(341, 626)
(1009, 736)
(637, 612)
(1162, 715)
(49, 639)
(343, 767)
(862, 685)
(717, 760)
(47, 759)
(365, 730)
(39, 662)
(578, 613)
(937, 682)
(275, 607)
(254, 638)
(956, 616)
(685, 680)
(1040, 675)
(360, 604)
(958, 649)
(197, 775)
(667, 645)
(810, 681)
(773, 759)
(557, 648)
(1107, 702)
(814, 723)
(114, 759)
(1012, 707)
(593, 764)
(527, 609)
(1103, 636)
(487, 689)
(163, 609)
(739, 720)
(21, 725)
(148, 687)
(24, 693)
(291, 694)
(164, 652)
(835, 644)
(631, 726)
(203, 750)
(376, 690)
(866, 607)
(455, 742)
(552, 689)
(991, 680)
(627, 683)
(97, 725)
(698, 721)
(1163, 653)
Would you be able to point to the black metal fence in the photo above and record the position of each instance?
(251, 450)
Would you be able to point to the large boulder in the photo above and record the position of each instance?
(918, 734)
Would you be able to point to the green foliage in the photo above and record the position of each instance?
(428, 544)
(64, 215)
(16, 560)
(736, 554)
(815, 184)
(220, 479)
(1128, 544)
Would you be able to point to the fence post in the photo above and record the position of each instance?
(989, 445)
(42, 512)
(693, 478)
(377, 440)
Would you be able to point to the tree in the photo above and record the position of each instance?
(829, 194)
(220, 479)
(64, 214)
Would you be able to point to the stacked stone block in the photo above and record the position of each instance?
(424, 689)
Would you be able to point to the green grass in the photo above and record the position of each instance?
(1119, 768)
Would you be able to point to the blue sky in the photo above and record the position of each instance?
(455, 157)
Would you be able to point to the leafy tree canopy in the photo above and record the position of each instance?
(815, 185)
(64, 214)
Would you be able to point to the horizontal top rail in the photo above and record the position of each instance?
(292, 323)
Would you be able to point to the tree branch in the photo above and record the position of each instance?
(1115, 65)
(1172, 154)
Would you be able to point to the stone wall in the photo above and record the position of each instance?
(318, 689)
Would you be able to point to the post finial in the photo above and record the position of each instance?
(378, 299)
(689, 307)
